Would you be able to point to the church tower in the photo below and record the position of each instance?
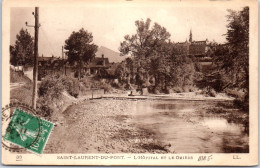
(190, 40)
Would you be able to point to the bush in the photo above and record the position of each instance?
(85, 82)
(128, 86)
(209, 92)
(166, 91)
(153, 89)
(115, 85)
(212, 93)
(150, 89)
(106, 87)
(156, 90)
(241, 103)
(185, 89)
(51, 87)
(71, 85)
(238, 103)
(189, 88)
(234, 92)
(43, 107)
(177, 89)
(76, 74)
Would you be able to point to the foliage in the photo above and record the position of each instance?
(51, 90)
(13, 55)
(106, 87)
(211, 49)
(145, 41)
(213, 79)
(86, 82)
(154, 63)
(208, 91)
(22, 52)
(232, 58)
(53, 86)
(43, 107)
(177, 89)
(80, 48)
(71, 85)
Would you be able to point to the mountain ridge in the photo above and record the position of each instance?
(112, 55)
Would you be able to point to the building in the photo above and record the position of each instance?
(199, 49)
(97, 64)
(193, 48)
(51, 65)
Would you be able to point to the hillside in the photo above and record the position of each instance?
(17, 77)
(113, 56)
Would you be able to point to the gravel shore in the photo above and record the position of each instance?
(101, 126)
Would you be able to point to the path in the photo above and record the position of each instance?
(16, 85)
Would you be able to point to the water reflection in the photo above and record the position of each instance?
(184, 125)
(221, 124)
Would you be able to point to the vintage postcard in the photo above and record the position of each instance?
(130, 82)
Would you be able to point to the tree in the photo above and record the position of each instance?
(146, 40)
(22, 52)
(13, 54)
(120, 72)
(233, 57)
(80, 48)
(144, 46)
(156, 63)
(238, 38)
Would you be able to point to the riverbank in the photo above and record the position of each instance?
(172, 96)
(101, 126)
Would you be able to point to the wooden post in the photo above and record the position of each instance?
(35, 67)
(65, 69)
(63, 65)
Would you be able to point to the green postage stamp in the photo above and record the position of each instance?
(28, 131)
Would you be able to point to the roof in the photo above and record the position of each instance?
(182, 42)
(113, 67)
(98, 62)
(199, 41)
(47, 58)
(193, 48)
(50, 61)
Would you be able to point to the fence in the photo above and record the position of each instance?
(94, 93)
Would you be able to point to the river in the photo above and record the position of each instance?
(189, 128)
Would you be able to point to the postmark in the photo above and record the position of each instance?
(25, 129)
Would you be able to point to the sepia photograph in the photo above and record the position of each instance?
(130, 78)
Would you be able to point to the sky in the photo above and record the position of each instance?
(110, 24)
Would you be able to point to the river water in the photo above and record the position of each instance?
(188, 127)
